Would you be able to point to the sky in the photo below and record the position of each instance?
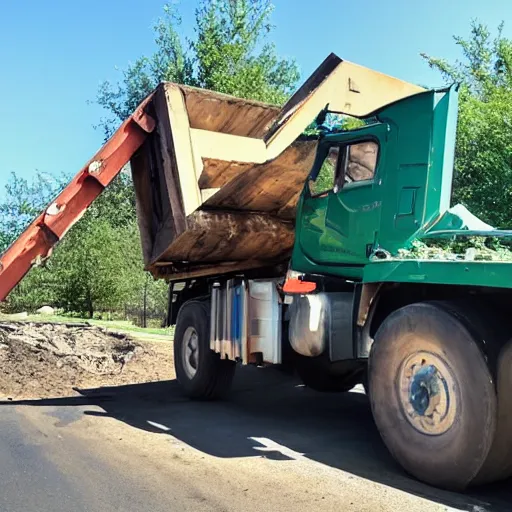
(55, 53)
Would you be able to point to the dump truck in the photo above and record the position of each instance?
(316, 248)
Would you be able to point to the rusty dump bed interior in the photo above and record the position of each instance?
(218, 180)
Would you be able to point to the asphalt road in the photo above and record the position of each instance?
(274, 446)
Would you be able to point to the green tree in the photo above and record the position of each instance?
(95, 267)
(116, 204)
(230, 53)
(38, 288)
(24, 200)
(483, 159)
(148, 304)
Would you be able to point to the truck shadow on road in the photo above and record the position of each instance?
(269, 414)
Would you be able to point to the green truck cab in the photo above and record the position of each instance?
(389, 184)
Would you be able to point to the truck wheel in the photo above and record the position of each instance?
(432, 394)
(200, 371)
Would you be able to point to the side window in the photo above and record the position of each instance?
(360, 162)
(325, 179)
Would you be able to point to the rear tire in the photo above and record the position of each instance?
(432, 394)
(202, 374)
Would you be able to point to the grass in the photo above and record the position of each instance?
(461, 248)
(113, 325)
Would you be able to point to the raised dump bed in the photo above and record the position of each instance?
(217, 182)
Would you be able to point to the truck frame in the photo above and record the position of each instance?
(281, 248)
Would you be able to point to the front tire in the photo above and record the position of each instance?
(432, 394)
(202, 374)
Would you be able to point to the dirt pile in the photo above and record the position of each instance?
(45, 359)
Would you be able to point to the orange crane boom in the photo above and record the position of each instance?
(36, 242)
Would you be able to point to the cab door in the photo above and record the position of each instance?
(353, 213)
(340, 208)
(312, 211)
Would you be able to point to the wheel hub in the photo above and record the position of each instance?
(427, 391)
(190, 352)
